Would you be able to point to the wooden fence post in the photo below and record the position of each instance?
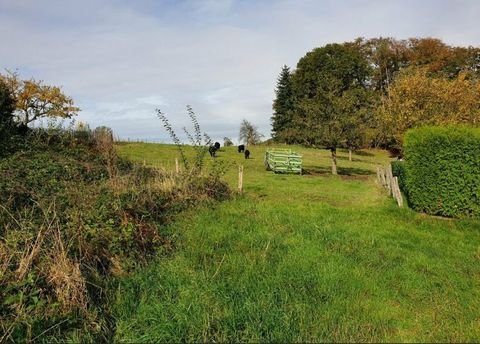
(240, 178)
(382, 176)
(177, 168)
(397, 192)
(388, 181)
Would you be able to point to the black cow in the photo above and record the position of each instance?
(217, 145)
(241, 148)
(247, 154)
(212, 150)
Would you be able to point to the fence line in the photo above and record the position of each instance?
(390, 183)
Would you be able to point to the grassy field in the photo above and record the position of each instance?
(305, 258)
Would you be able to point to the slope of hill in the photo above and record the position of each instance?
(305, 258)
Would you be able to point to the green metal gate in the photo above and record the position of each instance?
(283, 161)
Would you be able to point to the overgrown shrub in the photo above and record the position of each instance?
(442, 166)
(72, 216)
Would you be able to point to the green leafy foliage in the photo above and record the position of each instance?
(332, 98)
(443, 170)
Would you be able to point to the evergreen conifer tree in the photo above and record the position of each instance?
(283, 107)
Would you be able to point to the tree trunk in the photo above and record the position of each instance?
(349, 155)
(334, 160)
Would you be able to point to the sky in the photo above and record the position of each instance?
(120, 60)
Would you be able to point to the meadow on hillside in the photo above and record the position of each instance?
(310, 257)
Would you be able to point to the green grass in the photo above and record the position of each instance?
(305, 258)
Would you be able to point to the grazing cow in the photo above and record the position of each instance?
(247, 154)
(212, 150)
(217, 145)
(241, 148)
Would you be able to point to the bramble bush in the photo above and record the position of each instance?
(73, 216)
(442, 167)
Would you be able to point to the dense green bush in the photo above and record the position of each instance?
(442, 166)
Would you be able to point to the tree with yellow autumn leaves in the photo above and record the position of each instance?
(35, 100)
(416, 99)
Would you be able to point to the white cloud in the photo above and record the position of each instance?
(121, 60)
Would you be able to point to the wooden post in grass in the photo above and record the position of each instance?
(382, 177)
(240, 178)
(177, 168)
(397, 193)
(144, 162)
(390, 179)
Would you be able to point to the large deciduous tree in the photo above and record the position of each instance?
(249, 133)
(330, 85)
(282, 119)
(35, 100)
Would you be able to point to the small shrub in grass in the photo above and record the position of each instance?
(442, 167)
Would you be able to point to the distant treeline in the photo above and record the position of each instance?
(369, 92)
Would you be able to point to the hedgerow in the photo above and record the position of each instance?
(442, 167)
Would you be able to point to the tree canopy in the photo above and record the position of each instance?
(415, 100)
(35, 100)
(368, 92)
(330, 87)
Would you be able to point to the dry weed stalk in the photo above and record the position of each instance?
(116, 267)
(66, 278)
(31, 251)
(167, 183)
(5, 260)
(28, 256)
